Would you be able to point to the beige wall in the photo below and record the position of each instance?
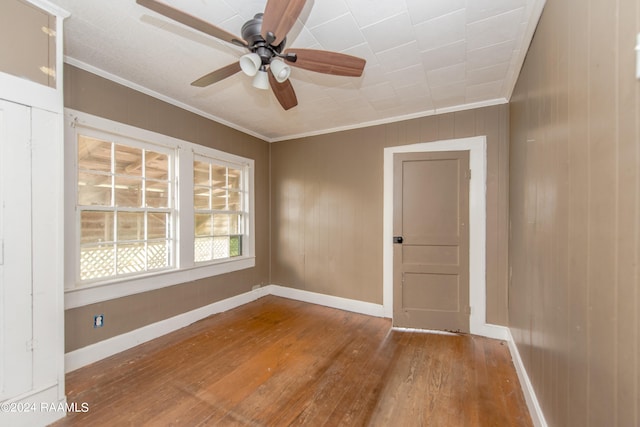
(94, 95)
(575, 213)
(326, 197)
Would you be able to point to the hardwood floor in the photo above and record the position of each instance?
(279, 362)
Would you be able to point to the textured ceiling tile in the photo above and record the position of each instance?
(482, 9)
(447, 75)
(494, 30)
(380, 91)
(214, 11)
(367, 12)
(343, 93)
(422, 10)
(487, 74)
(490, 90)
(444, 56)
(373, 75)
(408, 77)
(454, 90)
(442, 31)
(400, 57)
(324, 11)
(246, 8)
(392, 32)
(339, 34)
(491, 55)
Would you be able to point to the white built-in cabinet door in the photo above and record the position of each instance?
(16, 328)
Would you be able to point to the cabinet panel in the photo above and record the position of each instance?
(27, 48)
(15, 265)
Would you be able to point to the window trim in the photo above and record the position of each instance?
(185, 269)
(172, 210)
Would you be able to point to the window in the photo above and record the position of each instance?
(218, 200)
(125, 208)
(145, 211)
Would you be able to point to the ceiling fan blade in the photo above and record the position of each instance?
(191, 21)
(217, 75)
(279, 17)
(326, 62)
(284, 92)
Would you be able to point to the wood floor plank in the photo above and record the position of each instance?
(279, 362)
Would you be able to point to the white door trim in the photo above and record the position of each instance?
(477, 147)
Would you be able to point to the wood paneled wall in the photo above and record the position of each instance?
(94, 95)
(327, 205)
(575, 213)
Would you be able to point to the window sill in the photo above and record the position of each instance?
(122, 287)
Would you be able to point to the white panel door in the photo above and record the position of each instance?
(15, 253)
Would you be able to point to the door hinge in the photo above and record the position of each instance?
(468, 174)
(31, 345)
(467, 310)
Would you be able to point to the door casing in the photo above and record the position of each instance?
(477, 147)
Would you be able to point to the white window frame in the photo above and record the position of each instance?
(185, 269)
(244, 190)
(171, 152)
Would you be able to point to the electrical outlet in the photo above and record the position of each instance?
(98, 321)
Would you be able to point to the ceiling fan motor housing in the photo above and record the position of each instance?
(251, 33)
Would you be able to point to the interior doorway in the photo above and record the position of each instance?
(477, 148)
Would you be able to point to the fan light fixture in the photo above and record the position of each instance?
(250, 64)
(280, 70)
(265, 36)
(261, 80)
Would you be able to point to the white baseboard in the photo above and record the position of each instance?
(36, 408)
(537, 417)
(355, 306)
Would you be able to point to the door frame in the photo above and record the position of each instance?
(477, 147)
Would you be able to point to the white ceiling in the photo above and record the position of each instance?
(423, 57)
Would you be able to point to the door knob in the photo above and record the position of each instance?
(398, 239)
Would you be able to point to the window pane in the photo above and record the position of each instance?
(234, 178)
(203, 249)
(94, 190)
(158, 255)
(128, 160)
(96, 227)
(201, 173)
(157, 194)
(235, 246)
(94, 154)
(220, 224)
(218, 176)
(131, 258)
(157, 225)
(235, 201)
(221, 247)
(201, 197)
(204, 225)
(156, 165)
(128, 192)
(130, 226)
(97, 261)
(219, 200)
(235, 224)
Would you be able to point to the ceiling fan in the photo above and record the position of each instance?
(265, 38)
